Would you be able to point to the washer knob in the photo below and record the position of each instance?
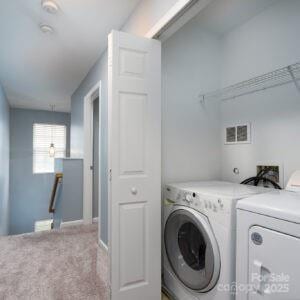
(188, 199)
(220, 203)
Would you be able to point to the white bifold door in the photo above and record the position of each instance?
(134, 97)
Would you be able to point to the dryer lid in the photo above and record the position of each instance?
(219, 189)
(278, 204)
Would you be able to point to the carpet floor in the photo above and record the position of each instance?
(58, 264)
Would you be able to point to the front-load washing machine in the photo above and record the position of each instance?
(199, 238)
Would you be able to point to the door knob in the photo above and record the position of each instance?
(133, 191)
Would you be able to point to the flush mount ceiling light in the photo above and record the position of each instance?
(47, 29)
(50, 6)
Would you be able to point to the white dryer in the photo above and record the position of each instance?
(268, 247)
(199, 238)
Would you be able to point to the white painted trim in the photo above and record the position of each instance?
(71, 223)
(177, 21)
(171, 13)
(87, 155)
(75, 223)
(103, 245)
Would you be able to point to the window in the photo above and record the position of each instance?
(43, 136)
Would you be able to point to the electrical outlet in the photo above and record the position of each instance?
(273, 173)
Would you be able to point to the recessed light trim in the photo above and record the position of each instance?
(50, 6)
(47, 29)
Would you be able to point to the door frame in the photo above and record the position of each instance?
(87, 206)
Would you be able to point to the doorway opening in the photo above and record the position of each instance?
(96, 159)
(92, 149)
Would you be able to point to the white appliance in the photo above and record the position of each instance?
(268, 246)
(199, 238)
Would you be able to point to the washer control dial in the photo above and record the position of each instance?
(188, 198)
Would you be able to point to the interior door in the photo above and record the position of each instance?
(134, 96)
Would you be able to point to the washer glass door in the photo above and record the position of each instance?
(192, 249)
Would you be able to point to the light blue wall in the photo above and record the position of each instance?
(98, 73)
(29, 193)
(263, 44)
(4, 163)
(68, 205)
(190, 131)
(197, 60)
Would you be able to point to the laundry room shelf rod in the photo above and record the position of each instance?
(272, 79)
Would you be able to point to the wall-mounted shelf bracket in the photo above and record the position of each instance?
(202, 99)
(295, 80)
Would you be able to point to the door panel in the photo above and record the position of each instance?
(132, 133)
(132, 63)
(132, 245)
(274, 267)
(134, 82)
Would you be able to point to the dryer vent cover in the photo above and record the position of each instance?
(237, 134)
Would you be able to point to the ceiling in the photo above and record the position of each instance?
(38, 70)
(221, 16)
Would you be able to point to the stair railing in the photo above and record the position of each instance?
(57, 181)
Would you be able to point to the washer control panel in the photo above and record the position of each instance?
(201, 202)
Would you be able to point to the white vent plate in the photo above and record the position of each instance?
(237, 134)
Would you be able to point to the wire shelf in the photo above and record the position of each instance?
(272, 79)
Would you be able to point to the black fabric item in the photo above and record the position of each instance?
(192, 246)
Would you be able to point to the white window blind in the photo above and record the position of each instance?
(43, 136)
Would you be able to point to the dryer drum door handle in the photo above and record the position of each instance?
(260, 277)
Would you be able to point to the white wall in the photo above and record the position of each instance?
(264, 43)
(191, 133)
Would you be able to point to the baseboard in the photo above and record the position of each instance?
(71, 223)
(76, 222)
(103, 246)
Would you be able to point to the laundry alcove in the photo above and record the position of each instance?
(246, 46)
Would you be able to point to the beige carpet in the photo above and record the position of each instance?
(60, 264)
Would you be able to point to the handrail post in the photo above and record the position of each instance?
(57, 180)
